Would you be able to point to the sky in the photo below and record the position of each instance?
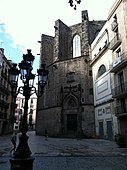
(23, 21)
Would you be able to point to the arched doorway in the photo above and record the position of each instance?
(70, 115)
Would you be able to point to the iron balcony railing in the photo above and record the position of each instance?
(115, 42)
(121, 109)
(119, 62)
(120, 90)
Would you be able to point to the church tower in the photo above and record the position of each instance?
(66, 108)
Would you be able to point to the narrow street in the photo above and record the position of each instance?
(68, 154)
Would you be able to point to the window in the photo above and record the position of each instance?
(82, 100)
(99, 112)
(31, 111)
(101, 70)
(31, 101)
(108, 110)
(115, 18)
(118, 52)
(114, 24)
(22, 105)
(121, 78)
(91, 91)
(70, 77)
(121, 82)
(76, 46)
(90, 72)
(82, 90)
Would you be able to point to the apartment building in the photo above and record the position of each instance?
(19, 111)
(105, 119)
(117, 20)
(32, 112)
(109, 66)
(7, 102)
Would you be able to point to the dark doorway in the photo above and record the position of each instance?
(109, 130)
(101, 130)
(71, 122)
(123, 126)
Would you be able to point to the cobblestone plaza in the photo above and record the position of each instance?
(68, 154)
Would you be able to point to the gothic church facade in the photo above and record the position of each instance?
(66, 107)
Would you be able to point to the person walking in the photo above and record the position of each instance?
(13, 140)
(46, 134)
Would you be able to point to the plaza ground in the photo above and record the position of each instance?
(68, 154)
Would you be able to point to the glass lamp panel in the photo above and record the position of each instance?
(44, 78)
(16, 78)
(23, 73)
(31, 79)
(31, 82)
(40, 78)
(13, 75)
(12, 78)
(42, 75)
(25, 69)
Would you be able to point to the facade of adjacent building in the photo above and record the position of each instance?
(32, 112)
(118, 41)
(66, 107)
(19, 111)
(105, 119)
(109, 68)
(7, 102)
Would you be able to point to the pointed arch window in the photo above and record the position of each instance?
(76, 46)
(102, 70)
(71, 103)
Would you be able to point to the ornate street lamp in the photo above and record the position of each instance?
(13, 78)
(42, 78)
(22, 156)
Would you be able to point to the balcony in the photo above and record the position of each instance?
(1, 115)
(115, 42)
(4, 104)
(121, 110)
(120, 91)
(114, 26)
(4, 90)
(119, 63)
(4, 75)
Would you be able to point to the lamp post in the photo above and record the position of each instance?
(22, 159)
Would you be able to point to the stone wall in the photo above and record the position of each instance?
(46, 50)
(49, 119)
(61, 42)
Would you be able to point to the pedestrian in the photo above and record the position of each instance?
(46, 134)
(13, 140)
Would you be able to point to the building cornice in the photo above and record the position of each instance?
(113, 8)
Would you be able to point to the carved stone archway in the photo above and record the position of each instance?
(71, 115)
